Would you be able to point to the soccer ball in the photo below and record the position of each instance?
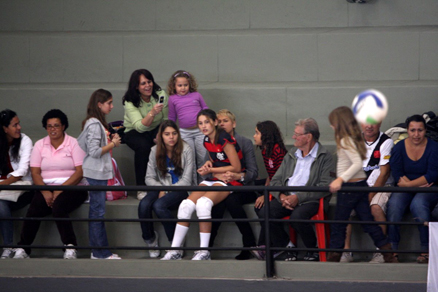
(370, 107)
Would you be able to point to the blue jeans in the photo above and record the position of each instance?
(162, 208)
(345, 203)
(6, 208)
(420, 204)
(96, 229)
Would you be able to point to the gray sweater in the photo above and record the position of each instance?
(91, 140)
(154, 178)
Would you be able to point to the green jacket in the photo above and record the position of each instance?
(322, 173)
(134, 115)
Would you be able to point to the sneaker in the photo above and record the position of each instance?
(70, 253)
(172, 255)
(259, 254)
(312, 256)
(154, 253)
(347, 257)
(141, 195)
(20, 254)
(377, 258)
(290, 256)
(111, 257)
(7, 253)
(201, 255)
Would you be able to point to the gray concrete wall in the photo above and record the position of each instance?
(279, 60)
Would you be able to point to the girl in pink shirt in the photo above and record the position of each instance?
(185, 102)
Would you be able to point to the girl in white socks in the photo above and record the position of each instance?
(225, 155)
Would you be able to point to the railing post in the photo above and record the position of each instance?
(269, 258)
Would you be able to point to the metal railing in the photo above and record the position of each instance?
(270, 271)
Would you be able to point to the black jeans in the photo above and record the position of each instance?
(141, 143)
(234, 204)
(345, 203)
(279, 236)
(65, 203)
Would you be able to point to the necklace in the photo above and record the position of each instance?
(371, 143)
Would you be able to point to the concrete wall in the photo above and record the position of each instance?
(279, 60)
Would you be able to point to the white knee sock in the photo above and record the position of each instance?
(205, 239)
(179, 235)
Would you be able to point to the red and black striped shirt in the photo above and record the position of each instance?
(273, 163)
(218, 155)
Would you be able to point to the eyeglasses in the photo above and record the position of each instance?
(298, 135)
(56, 126)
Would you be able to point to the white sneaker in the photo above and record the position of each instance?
(377, 258)
(20, 254)
(201, 255)
(141, 195)
(347, 257)
(111, 257)
(154, 253)
(70, 253)
(7, 253)
(172, 255)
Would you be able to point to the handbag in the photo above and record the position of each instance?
(117, 180)
(13, 195)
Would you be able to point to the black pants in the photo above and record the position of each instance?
(65, 203)
(141, 143)
(279, 236)
(234, 204)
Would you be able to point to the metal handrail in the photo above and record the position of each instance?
(261, 189)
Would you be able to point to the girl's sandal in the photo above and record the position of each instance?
(423, 259)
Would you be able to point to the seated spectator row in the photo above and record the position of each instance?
(206, 150)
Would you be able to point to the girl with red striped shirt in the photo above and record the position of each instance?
(269, 139)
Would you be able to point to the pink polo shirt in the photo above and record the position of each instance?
(57, 163)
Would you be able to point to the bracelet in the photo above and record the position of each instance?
(150, 113)
(114, 144)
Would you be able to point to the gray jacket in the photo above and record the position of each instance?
(154, 177)
(91, 140)
(322, 173)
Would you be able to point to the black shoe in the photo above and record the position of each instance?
(244, 255)
(291, 256)
(311, 256)
(288, 256)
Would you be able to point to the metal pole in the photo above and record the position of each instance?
(270, 270)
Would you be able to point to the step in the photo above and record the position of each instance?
(214, 269)
(128, 234)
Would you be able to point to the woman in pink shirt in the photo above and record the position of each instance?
(55, 160)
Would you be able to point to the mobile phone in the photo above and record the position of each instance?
(161, 99)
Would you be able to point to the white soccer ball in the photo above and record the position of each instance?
(370, 107)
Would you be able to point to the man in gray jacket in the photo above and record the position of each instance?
(308, 163)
